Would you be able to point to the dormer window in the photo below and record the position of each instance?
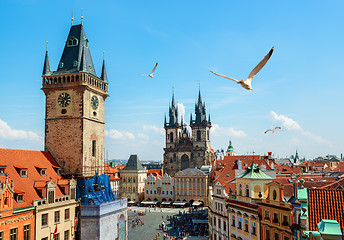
(59, 171)
(23, 172)
(72, 42)
(2, 170)
(61, 65)
(20, 197)
(75, 63)
(43, 172)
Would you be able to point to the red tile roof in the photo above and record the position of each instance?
(155, 172)
(325, 204)
(337, 185)
(27, 159)
(111, 171)
(286, 169)
(318, 181)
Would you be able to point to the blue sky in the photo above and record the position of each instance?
(299, 89)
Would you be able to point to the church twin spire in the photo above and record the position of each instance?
(173, 113)
(200, 112)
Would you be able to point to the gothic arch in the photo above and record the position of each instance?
(198, 135)
(184, 162)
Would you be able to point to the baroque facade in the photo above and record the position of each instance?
(159, 188)
(184, 150)
(191, 185)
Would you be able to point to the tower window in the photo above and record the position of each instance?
(198, 135)
(72, 42)
(94, 148)
(171, 137)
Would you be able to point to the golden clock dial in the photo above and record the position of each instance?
(64, 99)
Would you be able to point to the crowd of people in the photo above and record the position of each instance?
(184, 226)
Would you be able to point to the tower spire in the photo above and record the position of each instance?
(46, 67)
(104, 74)
(173, 113)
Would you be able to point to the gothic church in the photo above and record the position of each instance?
(184, 150)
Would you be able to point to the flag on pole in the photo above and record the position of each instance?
(55, 231)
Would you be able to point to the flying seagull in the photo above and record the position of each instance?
(247, 83)
(151, 74)
(272, 130)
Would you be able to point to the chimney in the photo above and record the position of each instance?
(269, 155)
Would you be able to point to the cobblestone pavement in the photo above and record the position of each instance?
(151, 221)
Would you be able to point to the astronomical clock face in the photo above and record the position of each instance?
(94, 103)
(64, 99)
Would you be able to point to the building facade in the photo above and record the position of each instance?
(42, 199)
(159, 188)
(277, 214)
(184, 150)
(133, 177)
(218, 214)
(74, 110)
(191, 185)
(15, 223)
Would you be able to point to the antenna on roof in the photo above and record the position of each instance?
(72, 17)
(82, 17)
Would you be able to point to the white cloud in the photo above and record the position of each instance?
(216, 130)
(290, 124)
(6, 132)
(115, 134)
(142, 136)
(286, 122)
(181, 111)
(155, 129)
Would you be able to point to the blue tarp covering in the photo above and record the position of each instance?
(95, 191)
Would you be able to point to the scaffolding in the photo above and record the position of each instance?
(95, 191)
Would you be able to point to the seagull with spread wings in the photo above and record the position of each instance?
(151, 74)
(247, 83)
(272, 130)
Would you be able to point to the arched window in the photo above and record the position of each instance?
(240, 190)
(247, 191)
(198, 135)
(274, 194)
(171, 137)
(72, 42)
(208, 135)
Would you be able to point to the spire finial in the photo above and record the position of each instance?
(72, 18)
(82, 17)
(46, 46)
(103, 55)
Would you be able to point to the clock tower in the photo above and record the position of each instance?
(74, 110)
